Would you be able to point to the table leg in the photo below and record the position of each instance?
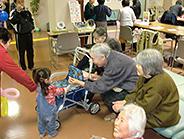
(173, 53)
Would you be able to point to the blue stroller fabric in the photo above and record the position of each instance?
(74, 73)
(75, 92)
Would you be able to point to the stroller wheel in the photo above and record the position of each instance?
(58, 124)
(94, 108)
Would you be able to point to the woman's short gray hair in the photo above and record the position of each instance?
(136, 119)
(101, 49)
(151, 61)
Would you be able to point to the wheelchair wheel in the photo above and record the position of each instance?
(94, 108)
(58, 124)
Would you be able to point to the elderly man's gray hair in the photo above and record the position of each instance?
(101, 49)
(151, 61)
(136, 119)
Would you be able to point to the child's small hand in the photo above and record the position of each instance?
(65, 90)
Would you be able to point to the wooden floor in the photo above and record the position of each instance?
(76, 123)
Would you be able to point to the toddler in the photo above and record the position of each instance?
(46, 102)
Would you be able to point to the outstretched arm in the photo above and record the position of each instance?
(76, 82)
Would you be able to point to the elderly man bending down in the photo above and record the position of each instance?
(119, 76)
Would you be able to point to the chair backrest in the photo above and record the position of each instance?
(150, 39)
(66, 43)
(126, 33)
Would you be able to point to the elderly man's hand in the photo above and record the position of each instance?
(75, 81)
(117, 105)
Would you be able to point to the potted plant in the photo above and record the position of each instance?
(34, 4)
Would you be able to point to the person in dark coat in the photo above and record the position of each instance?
(89, 14)
(23, 27)
(89, 10)
(170, 16)
(136, 8)
(101, 11)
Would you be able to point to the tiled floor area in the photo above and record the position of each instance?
(76, 123)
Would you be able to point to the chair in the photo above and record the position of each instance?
(126, 35)
(62, 44)
(65, 43)
(178, 53)
(150, 39)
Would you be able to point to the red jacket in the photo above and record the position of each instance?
(8, 66)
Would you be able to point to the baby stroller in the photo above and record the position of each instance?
(76, 95)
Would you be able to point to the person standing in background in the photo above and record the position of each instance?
(2, 9)
(89, 14)
(13, 5)
(136, 8)
(100, 12)
(89, 10)
(23, 26)
(126, 18)
(6, 3)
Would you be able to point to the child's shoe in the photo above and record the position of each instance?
(53, 135)
(42, 135)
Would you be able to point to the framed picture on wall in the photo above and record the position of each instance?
(75, 13)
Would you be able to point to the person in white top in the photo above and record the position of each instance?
(126, 17)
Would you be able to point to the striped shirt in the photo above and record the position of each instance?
(52, 92)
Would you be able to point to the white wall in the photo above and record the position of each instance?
(43, 18)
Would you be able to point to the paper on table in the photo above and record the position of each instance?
(141, 22)
(156, 27)
(171, 29)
